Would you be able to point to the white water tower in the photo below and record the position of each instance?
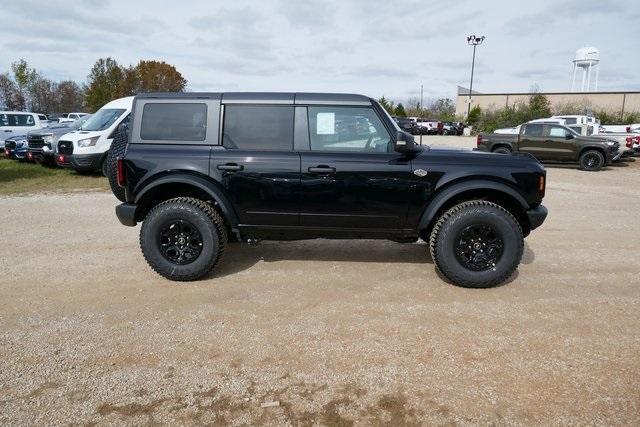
(586, 59)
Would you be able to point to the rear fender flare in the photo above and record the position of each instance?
(199, 182)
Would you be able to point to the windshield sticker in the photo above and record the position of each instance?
(326, 124)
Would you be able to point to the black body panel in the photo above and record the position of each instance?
(300, 193)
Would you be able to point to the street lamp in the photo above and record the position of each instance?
(472, 41)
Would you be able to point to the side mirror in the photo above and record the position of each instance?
(569, 136)
(405, 143)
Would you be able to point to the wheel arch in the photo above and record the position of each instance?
(593, 148)
(184, 184)
(479, 189)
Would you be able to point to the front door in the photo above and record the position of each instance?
(558, 142)
(531, 140)
(351, 177)
(257, 165)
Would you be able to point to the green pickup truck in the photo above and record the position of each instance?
(554, 142)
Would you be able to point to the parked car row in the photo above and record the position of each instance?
(563, 139)
(79, 141)
(420, 126)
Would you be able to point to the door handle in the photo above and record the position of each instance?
(322, 169)
(7, 130)
(230, 167)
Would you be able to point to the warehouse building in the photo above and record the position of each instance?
(614, 102)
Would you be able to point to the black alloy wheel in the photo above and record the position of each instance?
(479, 247)
(180, 242)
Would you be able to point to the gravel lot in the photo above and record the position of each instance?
(334, 331)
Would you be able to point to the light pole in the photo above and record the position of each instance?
(472, 41)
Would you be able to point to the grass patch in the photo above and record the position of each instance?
(17, 177)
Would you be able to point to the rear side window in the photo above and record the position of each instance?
(16, 120)
(249, 127)
(533, 130)
(571, 120)
(174, 122)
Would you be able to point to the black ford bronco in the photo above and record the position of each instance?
(200, 169)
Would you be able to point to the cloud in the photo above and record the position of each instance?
(375, 47)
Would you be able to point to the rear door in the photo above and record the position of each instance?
(531, 140)
(350, 176)
(256, 163)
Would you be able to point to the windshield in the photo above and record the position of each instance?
(103, 119)
(78, 123)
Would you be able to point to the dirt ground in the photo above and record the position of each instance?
(334, 331)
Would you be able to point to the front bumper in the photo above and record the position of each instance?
(126, 213)
(16, 153)
(40, 156)
(537, 216)
(81, 162)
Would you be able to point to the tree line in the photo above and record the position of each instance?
(537, 107)
(442, 109)
(25, 88)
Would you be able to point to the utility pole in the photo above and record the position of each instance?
(472, 41)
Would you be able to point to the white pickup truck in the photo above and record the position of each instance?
(70, 117)
(15, 123)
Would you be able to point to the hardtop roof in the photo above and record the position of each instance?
(290, 98)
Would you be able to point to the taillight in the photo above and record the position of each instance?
(541, 184)
(629, 142)
(478, 140)
(628, 129)
(121, 176)
(638, 139)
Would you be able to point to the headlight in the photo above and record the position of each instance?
(48, 139)
(89, 142)
(611, 143)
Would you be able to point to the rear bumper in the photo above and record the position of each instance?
(126, 213)
(537, 216)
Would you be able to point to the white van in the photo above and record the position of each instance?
(16, 123)
(85, 149)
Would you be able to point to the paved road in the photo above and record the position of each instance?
(333, 331)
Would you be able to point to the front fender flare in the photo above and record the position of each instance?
(197, 181)
(454, 190)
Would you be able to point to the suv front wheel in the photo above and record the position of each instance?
(476, 244)
(592, 161)
(183, 239)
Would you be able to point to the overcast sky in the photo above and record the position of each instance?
(373, 47)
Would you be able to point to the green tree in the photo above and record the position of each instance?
(475, 115)
(103, 83)
(23, 76)
(539, 106)
(387, 105)
(399, 110)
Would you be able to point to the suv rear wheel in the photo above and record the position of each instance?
(502, 150)
(591, 160)
(476, 244)
(183, 238)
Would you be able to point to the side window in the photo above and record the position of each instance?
(174, 122)
(533, 130)
(20, 120)
(556, 132)
(355, 129)
(571, 120)
(251, 127)
(4, 120)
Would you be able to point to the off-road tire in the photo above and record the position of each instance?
(118, 148)
(204, 218)
(446, 232)
(591, 161)
(502, 150)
